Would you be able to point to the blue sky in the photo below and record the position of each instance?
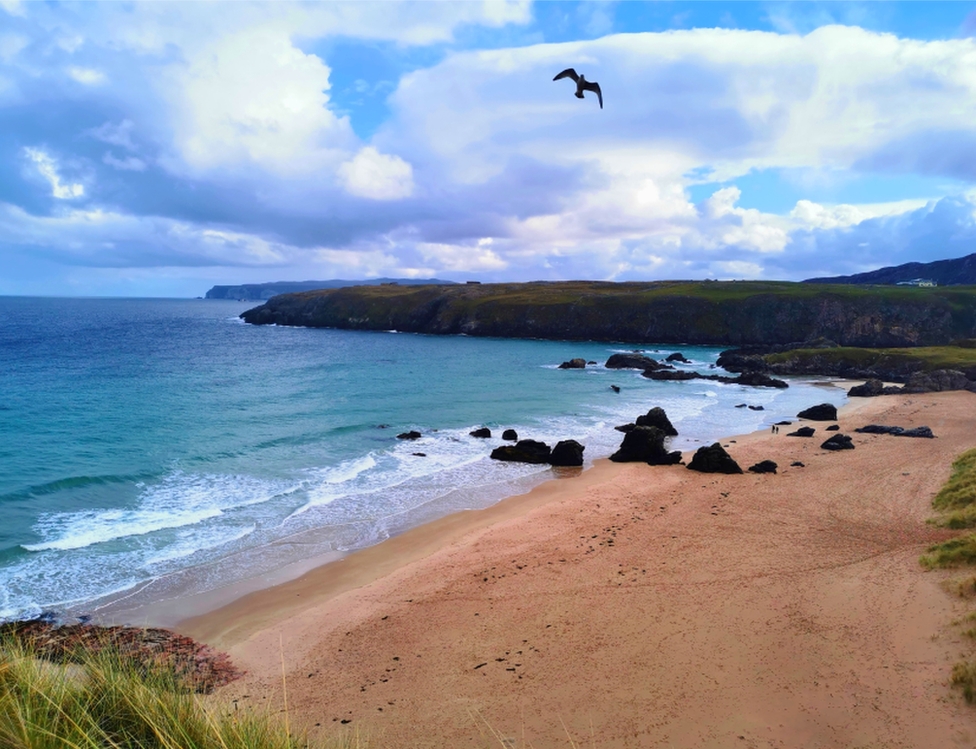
(157, 149)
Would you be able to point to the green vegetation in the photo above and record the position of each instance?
(964, 675)
(107, 701)
(955, 552)
(931, 358)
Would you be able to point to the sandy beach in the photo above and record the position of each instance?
(639, 606)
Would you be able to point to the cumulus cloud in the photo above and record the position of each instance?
(87, 76)
(484, 166)
(373, 175)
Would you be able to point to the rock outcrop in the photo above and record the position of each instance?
(838, 442)
(567, 453)
(923, 431)
(523, 451)
(413, 434)
(645, 445)
(510, 435)
(823, 412)
(573, 364)
(482, 432)
(764, 466)
(632, 361)
(656, 417)
(713, 459)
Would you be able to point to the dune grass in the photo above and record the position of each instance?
(106, 701)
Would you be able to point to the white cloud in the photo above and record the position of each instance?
(371, 174)
(459, 258)
(47, 167)
(13, 7)
(116, 135)
(87, 76)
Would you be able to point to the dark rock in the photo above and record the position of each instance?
(879, 429)
(656, 417)
(936, 382)
(632, 361)
(783, 423)
(756, 379)
(832, 428)
(573, 364)
(420, 455)
(591, 362)
(802, 432)
(567, 453)
(483, 432)
(838, 442)
(869, 389)
(411, 435)
(645, 445)
(678, 356)
(615, 388)
(764, 466)
(757, 408)
(741, 405)
(917, 432)
(524, 451)
(510, 434)
(823, 412)
(382, 426)
(625, 428)
(797, 464)
(713, 459)
(670, 374)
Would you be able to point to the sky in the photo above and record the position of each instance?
(157, 149)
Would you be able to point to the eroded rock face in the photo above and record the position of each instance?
(656, 417)
(923, 431)
(713, 459)
(523, 451)
(937, 381)
(764, 466)
(823, 412)
(869, 389)
(838, 442)
(413, 434)
(567, 453)
(573, 364)
(645, 445)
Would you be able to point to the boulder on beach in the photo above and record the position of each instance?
(645, 445)
(677, 356)
(573, 364)
(918, 432)
(797, 464)
(838, 442)
(879, 429)
(832, 428)
(713, 459)
(783, 423)
(632, 361)
(764, 466)
(567, 453)
(523, 451)
(869, 389)
(823, 412)
(413, 434)
(757, 408)
(656, 417)
(482, 432)
(802, 432)
(510, 434)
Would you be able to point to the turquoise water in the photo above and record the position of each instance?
(155, 446)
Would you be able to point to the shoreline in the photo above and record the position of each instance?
(655, 604)
(173, 610)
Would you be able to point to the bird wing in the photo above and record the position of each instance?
(593, 86)
(568, 73)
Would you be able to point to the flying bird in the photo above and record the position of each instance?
(582, 84)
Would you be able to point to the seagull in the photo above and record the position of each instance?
(582, 84)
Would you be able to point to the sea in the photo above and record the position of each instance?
(159, 448)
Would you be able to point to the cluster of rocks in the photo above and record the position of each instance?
(924, 432)
(754, 379)
(940, 380)
(199, 667)
(565, 453)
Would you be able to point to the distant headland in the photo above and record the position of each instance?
(722, 313)
(257, 292)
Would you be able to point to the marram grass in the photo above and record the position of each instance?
(104, 701)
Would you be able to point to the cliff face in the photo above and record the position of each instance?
(719, 313)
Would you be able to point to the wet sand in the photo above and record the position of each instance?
(642, 606)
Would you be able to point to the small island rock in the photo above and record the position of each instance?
(482, 432)
(510, 434)
(413, 434)
(573, 364)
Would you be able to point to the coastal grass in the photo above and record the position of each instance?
(104, 700)
(927, 358)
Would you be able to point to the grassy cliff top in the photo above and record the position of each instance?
(959, 356)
